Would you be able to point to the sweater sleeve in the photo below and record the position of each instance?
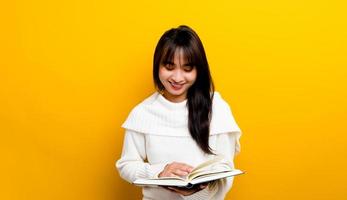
(227, 145)
(132, 165)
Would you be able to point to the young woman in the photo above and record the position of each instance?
(181, 125)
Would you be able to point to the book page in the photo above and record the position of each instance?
(217, 168)
(214, 176)
(168, 178)
(209, 162)
(216, 165)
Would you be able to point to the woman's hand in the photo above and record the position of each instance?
(176, 169)
(180, 169)
(187, 192)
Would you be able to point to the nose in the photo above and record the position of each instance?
(177, 76)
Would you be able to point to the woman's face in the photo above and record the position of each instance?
(177, 77)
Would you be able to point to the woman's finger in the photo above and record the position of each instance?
(203, 186)
(182, 166)
(176, 169)
(179, 172)
(184, 192)
(175, 190)
(186, 168)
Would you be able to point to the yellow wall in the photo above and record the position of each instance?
(72, 70)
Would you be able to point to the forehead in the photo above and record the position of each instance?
(176, 56)
(179, 56)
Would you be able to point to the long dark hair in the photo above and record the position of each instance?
(200, 94)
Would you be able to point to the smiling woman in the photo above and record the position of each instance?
(181, 46)
(182, 125)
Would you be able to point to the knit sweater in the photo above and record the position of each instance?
(156, 134)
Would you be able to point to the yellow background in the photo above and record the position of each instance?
(72, 70)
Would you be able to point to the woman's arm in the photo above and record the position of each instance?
(131, 165)
(227, 145)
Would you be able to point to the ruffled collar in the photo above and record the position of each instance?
(169, 104)
(158, 116)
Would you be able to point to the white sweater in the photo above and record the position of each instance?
(156, 133)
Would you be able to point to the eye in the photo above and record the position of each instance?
(169, 66)
(188, 68)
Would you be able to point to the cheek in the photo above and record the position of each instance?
(163, 74)
(192, 77)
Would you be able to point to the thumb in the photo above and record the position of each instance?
(203, 186)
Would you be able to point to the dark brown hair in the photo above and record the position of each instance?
(200, 94)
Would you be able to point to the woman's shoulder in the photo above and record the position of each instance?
(222, 117)
(218, 101)
(147, 101)
(151, 116)
(138, 113)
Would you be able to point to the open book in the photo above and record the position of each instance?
(214, 169)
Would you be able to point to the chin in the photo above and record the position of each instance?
(176, 93)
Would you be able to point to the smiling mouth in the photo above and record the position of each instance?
(176, 86)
